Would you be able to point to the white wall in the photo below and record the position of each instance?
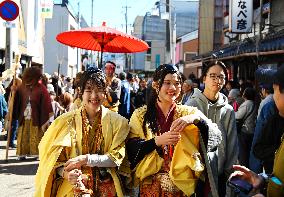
(56, 52)
(34, 27)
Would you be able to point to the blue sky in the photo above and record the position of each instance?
(112, 13)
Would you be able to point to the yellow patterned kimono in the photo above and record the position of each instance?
(66, 131)
(186, 166)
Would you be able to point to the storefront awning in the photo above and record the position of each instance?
(271, 44)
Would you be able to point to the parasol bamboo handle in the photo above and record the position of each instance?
(11, 106)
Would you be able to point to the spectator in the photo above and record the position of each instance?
(114, 87)
(15, 123)
(270, 138)
(69, 85)
(133, 89)
(268, 143)
(216, 107)
(66, 100)
(187, 90)
(77, 97)
(56, 86)
(34, 109)
(124, 101)
(246, 116)
(140, 98)
(3, 113)
(266, 109)
(235, 99)
(57, 109)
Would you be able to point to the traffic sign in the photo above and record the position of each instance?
(9, 10)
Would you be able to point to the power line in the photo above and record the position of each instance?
(146, 5)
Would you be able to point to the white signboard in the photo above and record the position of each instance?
(9, 24)
(241, 16)
(46, 8)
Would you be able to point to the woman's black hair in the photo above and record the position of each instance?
(249, 94)
(211, 64)
(95, 76)
(159, 75)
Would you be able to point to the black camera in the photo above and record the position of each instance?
(241, 187)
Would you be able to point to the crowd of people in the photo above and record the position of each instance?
(102, 134)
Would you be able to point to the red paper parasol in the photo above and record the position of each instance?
(103, 39)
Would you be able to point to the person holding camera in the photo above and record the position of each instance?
(274, 183)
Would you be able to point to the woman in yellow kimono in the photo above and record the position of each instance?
(82, 151)
(163, 144)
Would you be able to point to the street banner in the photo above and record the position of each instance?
(46, 8)
(241, 16)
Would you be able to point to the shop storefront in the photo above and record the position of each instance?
(244, 57)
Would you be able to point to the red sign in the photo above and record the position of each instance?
(9, 10)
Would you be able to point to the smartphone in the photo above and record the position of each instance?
(240, 185)
(276, 180)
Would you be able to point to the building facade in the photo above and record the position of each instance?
(58, 57)
(186, 49)
(138, 59)
(184, 19)
(244, 53)
(26, 37)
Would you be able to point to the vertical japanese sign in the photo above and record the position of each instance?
(241, 16)
(46, 8)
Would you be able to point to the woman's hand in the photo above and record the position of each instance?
(179, 124)
(247, 175)
(75, 163)
(73, 176)
(167, 138)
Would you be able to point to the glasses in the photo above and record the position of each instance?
(168, 84)
(215, 77)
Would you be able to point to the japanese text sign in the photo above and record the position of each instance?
(241, 16)
(46, 8)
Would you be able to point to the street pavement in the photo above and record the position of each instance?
(16, 177)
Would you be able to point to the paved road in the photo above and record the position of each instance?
(16, 177)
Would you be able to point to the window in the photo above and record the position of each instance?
(148, 58)
(149, 50)
(189, 55)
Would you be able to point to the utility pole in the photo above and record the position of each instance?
(92, 14)
(78, 53)
(259, 37)
(168, 34)
(9, 52)
(126, 31)
(92, 23)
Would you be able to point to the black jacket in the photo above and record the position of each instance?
(269, 141)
